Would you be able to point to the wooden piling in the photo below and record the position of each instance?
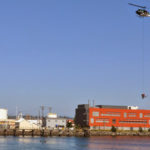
(5, 132)
(23, 132)
(14, 132)
(32, 133)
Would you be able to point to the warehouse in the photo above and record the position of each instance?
(25, 124)
(106, 116)
(3, 114)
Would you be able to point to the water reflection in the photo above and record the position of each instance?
(119, 143)
(74, 143)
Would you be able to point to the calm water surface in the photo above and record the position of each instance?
(74, 143)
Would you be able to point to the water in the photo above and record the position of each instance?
(74, 143)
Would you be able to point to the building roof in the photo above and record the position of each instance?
(112, 106)
(20, 120)
(57, 118)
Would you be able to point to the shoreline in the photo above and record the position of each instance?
(70, 133)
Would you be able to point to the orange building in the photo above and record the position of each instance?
(122, 117)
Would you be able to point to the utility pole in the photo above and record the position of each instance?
(50, 109)
(89, 103)
(39, 118)
(42, 108)
(43, 118)
(93, 103)
(16, 112)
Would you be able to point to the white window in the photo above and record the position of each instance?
(125, 115)
(102, 120)
(92, 120)
(148, 115)
(95, 114)
(141, 115)
(115, 114)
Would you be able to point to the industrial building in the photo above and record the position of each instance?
(3, 114)
(24, 124)
(55, 122)
(82, 115)
(106, 116)
(6, 123)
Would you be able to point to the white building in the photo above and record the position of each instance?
(26, 125)
(3, 114)
(53, 122)
(36, 122)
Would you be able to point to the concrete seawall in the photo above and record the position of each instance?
(78, 133)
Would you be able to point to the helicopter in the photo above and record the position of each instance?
(141, 12)
(143, 96)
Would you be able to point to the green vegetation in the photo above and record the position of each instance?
(140, 129)
(69, 125)
(113, 129)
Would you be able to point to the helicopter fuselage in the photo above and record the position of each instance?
(143, 13)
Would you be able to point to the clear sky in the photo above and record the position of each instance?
(60, 53)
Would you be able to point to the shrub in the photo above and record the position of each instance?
(69, 125)
(140, 129)
(113, 129)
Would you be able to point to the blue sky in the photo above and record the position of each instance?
(60, 53)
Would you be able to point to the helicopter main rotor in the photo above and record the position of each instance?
(143, 7)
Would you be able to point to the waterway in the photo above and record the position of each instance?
(75, 143)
